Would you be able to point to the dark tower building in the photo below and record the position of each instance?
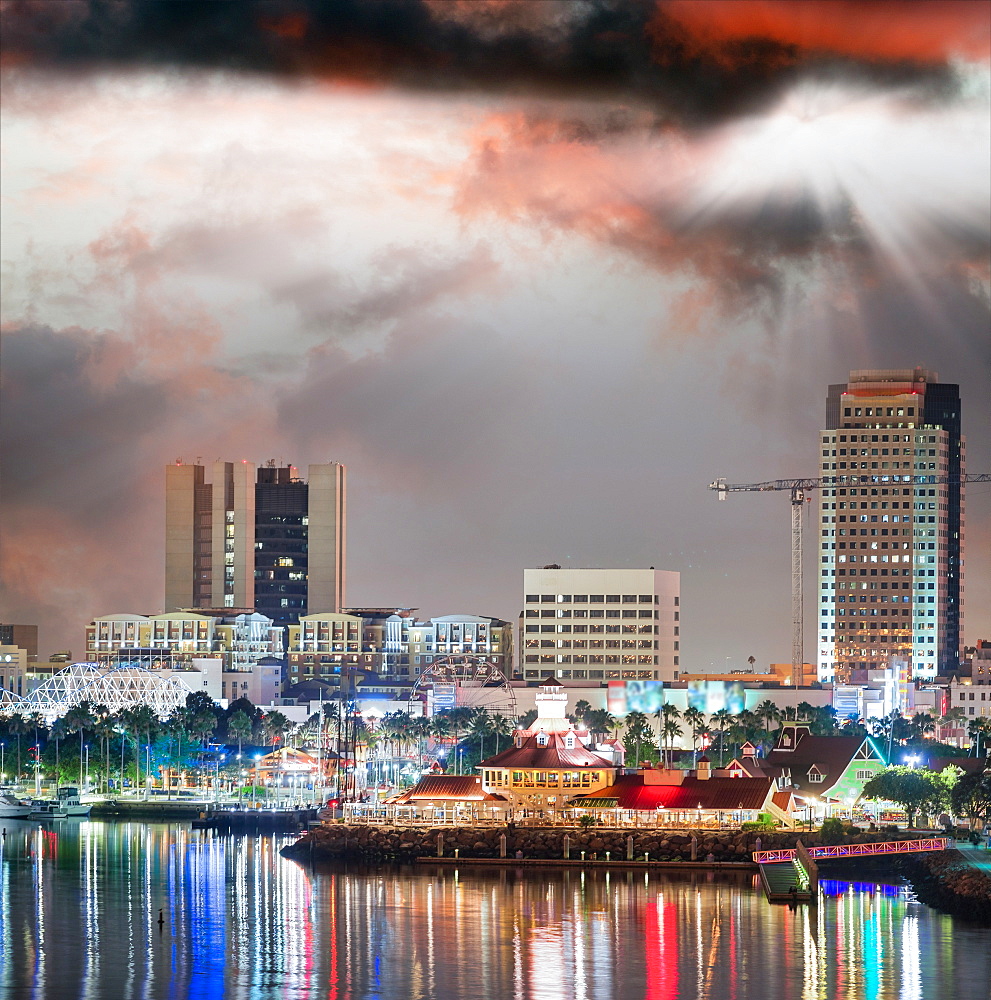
(276, 544)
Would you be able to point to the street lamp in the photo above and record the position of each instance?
(240, 782)
(85, 787)
(3, 776)
(147, 770)
(216, 780)
(254, 786)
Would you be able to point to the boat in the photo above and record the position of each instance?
(12, 808)
(70, 803)
(46, 809)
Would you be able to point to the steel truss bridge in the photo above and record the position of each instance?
(117, 688)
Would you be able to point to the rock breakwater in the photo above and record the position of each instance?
(946, 881)
(389, 843)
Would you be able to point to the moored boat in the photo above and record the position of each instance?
(70, 803)
(13, 808)
(46, 809)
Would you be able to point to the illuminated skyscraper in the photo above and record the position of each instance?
(273, 542)
(891, 549)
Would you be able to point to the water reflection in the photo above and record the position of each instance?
(80, 908)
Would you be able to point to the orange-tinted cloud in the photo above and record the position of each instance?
(924, 32)
(697, 60)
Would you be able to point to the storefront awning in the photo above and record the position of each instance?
(593, 803)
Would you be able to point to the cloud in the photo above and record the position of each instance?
(698, 62)
(835, 178)
(89, 419)
(736, 31)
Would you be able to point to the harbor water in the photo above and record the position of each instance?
(115, 910)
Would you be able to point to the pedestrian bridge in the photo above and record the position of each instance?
(857, 850)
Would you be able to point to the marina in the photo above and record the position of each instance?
(239, 920)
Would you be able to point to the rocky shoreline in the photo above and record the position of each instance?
(946, 881)
(388, 843)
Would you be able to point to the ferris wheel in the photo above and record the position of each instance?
(463, 681)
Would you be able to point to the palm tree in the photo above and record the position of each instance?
(769, 712)
(239, 726)
(638, 733)
(695, 718)
(460, 720)
(599, 721)
(977, 728)
(527, 719)
(501, 726)
(582, 708)
(723, 719)
(201, 722)
(665, 714)
(78, 719)
(18, 725)
(276, 724)
(141, 719)
(922, 723)
(481, 726)
(671, 732)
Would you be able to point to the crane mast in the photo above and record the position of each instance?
(798, 489)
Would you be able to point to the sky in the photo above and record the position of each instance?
(536, 272)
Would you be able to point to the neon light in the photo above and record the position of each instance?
(857, 850)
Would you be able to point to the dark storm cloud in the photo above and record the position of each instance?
(57, 388)
(696, 68)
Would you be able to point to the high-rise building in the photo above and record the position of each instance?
(270, 541)
(597, 625)
(891, 546)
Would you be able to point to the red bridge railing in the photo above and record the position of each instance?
(858, 850)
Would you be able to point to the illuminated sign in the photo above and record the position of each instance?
(713, 696)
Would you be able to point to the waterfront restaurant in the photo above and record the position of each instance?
(457, 799)
(675, 798)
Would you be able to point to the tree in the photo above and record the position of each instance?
(276, 725)
(911, 788)
(768, 712)
(695, 718)
(501, 726)
(639, 738)
(78, 719)
(200, 722)
(599, 721)
(178, 726)
(671, 732)
(18, 725)
(527, 719)
(481, 726)
(722, 720)
(971, 797)
(582, 708)
(666, 713)
(922, 724)
(979, 729)
(140, 719)
(239, 728)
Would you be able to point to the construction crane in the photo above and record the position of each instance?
(798, 489)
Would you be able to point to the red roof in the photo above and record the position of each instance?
(449, 787)
(715, 793)
(555, 754)
(785, 801)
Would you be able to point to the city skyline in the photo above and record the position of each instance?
(536, 274)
